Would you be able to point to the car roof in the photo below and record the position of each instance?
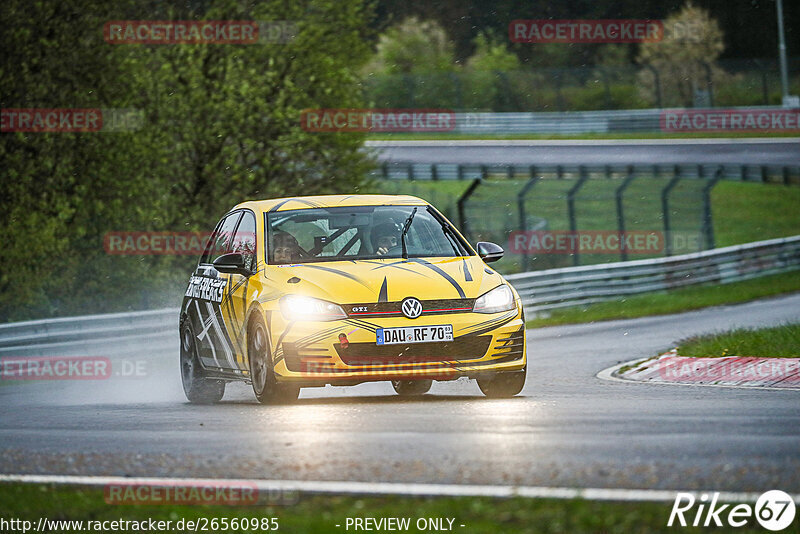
(329, 201)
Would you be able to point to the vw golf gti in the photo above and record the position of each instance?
(345, 289)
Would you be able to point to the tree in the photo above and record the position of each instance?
(487, 74)
(221, 124)
(413, 66)
(685, 59)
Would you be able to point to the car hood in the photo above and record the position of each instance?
(389, 280)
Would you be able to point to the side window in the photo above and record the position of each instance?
(244, 241)
(221, 240)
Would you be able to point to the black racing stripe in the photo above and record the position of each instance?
(467, 274)
(336, 271)
(439, 271)
(283, 335)
(319, 336)
(500, 322)
(277, 206)
(362, 324)
(397, 265)
(383, 296)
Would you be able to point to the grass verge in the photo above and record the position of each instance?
(774, 342)
(321, 514)
(679, 300)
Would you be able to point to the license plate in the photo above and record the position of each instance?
(414, 334)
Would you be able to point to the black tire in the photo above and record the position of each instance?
(266, 388)
(408, 388)
(503, 385)
(198, 388)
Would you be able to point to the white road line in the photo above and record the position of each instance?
(609, 374)
(579, 142)
(389, 488)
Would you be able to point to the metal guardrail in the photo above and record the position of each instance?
(578, 122)
(573, 286)
(76, 335)
(402, 170)
(542, 290)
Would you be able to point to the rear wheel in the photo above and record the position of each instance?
(503, 385)
(412, 387)
(198, 388)
(266, 388)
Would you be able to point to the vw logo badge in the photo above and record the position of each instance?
(411, 308)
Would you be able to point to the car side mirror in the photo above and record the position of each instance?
(232, 263)
(489, 252)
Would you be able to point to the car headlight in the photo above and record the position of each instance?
(497, 300)
(300, 308)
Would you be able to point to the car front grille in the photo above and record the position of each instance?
(392, 309)
(460, 349)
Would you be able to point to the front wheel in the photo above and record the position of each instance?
(503, 385)
(266, 388)
(198, 389)
(408, 388)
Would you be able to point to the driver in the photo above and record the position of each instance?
(284, 248)
(385, 236)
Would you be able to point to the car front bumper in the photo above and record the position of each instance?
(313, 353)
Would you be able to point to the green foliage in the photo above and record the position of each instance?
(413, 46)
(220, 125)
(685, 58)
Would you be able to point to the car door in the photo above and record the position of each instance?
(207, 290)
(238, 288)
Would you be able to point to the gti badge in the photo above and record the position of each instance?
(411, 307)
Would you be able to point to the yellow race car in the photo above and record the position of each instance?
(344, 289)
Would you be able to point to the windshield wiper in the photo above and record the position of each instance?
(406, 226)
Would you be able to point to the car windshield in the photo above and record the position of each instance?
(359, 233)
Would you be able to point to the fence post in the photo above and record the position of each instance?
(410, 172)
(665, 209)
(523, 226)
(434, 172)
(460, 171)
(708, 227)
(571, 210)
(709, 84)
(620, 213)
(764, 87)
(657, 81)
(462, 200)
(385, 169)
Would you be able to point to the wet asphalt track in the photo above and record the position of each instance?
(568, 428)
(616, 152)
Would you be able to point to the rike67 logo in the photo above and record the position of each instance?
(774, 510)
